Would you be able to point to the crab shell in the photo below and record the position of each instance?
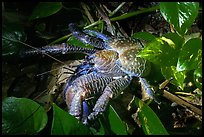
(127, 49)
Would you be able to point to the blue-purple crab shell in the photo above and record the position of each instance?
(111, 69)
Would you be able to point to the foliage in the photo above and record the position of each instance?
(149, 120)
(22, 116)
(174, 55)
(65, 124)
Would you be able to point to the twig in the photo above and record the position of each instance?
(117, 9)
(178, 100)
(60, 39)
(87, 12)
(125, 16)
(181, 102)
(105, 17)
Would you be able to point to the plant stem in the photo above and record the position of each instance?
(125, 16)
(181, 102)
(116, 10)
(60, 39)
(128, 15)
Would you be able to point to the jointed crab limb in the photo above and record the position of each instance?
(98, 34)
(111, 91)
(100, 105)
(148, 89)
(98, 43)
(58, 49)
(83, 87)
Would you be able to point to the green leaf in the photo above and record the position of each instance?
(178, 40)
(22, 116)
(198, 77)
(144, 35)
(178, 76)
(151, 124)
(65, 124)
(182, 16)
(116, 124)
(161, 51)
(100, 131)
(190, 56)
(73, 41)
(45, 9)
(11, 35)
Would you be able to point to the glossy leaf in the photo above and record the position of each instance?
(160, 51)
(45, 9)
(198, 77)
(65, 124)
(178, 76)
(116, 124)
(190, 56)
(22, 116)
(100, 131)
(178, 40)
(11, 34)
(110, 123)
(73, 41)
(180, 14)
(151, 124)
(144, 35)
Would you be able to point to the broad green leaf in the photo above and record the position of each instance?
(100, 131)
(180, 14)
(22, 116)
(116, 124)
(45, 9)
(144, 35)
(11, 34)
(178, 40)
(190, 56)
(151, 124)
(65, 124)
(73, 41)
(110, 123)
(178, 76)
(198, 77)
(161, 51)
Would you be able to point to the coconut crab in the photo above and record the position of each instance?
(106, 71)
(111, 71)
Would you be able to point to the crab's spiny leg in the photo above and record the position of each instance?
(92, 83)
(98, 34)
(76, 104)
(82, 88)
(148, 89)
(58, 49)
(85, 38)
(112, 90)
(85, 112)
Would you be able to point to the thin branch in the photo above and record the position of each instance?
(176, 99)
(117, 9)
(87, 12)
(126, 15)
(181, 102)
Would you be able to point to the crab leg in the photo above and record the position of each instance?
(112, 90)
(82, 88)
(57, 49)
(148, 89)
(83, 37)
(98, 34)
